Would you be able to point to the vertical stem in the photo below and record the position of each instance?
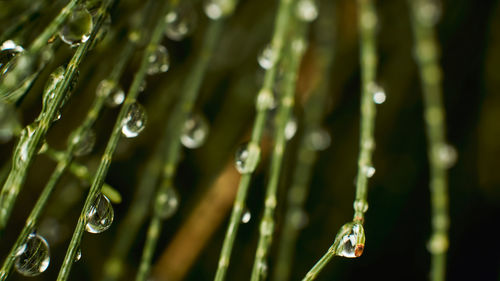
(306, 157)
(264, 102)
(367, 21)
(174, 126)
(291, 62)
(426, 50)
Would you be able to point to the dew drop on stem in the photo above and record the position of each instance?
(100, 215)
(267, 57)
(247, 157)
(77, 28)
(83, 142)
(246, 216)
(159, 61)
(134, 121)
(306, 10)
(318, 139)
(195, 131)
(111, 91)
(180, 23)
(166, 203)
(350, 240)
(33, 257)
(291, 128)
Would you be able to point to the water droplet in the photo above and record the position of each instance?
(180, 23)
(446, 155)
(8, 50)
(51, 85)
(77, 27)
(291, 128)
(135, 121)
(378, 92)
(216, 9)
(78, 255)
(83, 142)
(100, 215)
(195, 131)
(306, 10)
(247, 157)
(350, 240)
(111, 91)
(266, 100)
(266, 227)
(21, 151)
(428, 12)
(33, 257)
(318, 139)
(262, 267)
(360, 206)
(167, 203)
(298, 218)
(159, 61)
(267, 57)
(368, 171)
(438, 244)
(246, 216)
(9, 121)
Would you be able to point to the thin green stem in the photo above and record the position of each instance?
(64, 160)
(367, 21)
(306, 155)
(291, 62)
(426, 49)
(27, 147)
(263, 103)
(174, 127)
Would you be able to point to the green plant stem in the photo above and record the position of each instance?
(27, 147)
(263, 104)
(174, 127)
(291, 62)
(367, 20)
(64, 160)
(306, 156)
(426, 50)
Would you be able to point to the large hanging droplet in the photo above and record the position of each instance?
(306, 10)
(77, 28)
(100, 215)
(350, 240)
(247, 157)
(167, 203)
(180, 23)
(33, 257)
(194, 131)
(9, 122)
(267, 57)
(159, 61)
(78, 255)
(83, 142)
(135, 121)
(111, 91)
(8, 50)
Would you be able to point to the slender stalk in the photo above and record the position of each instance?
(27, 147)
(306, 156)
(64, 159)
(174, 126)
(423, 20)
(291, 62)
(367, 21)
(264, 102)
(113, 267)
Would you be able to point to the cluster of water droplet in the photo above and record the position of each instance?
(134, 121)
(33, 257)
(100, 215)
(194, 131)
(180, 23)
